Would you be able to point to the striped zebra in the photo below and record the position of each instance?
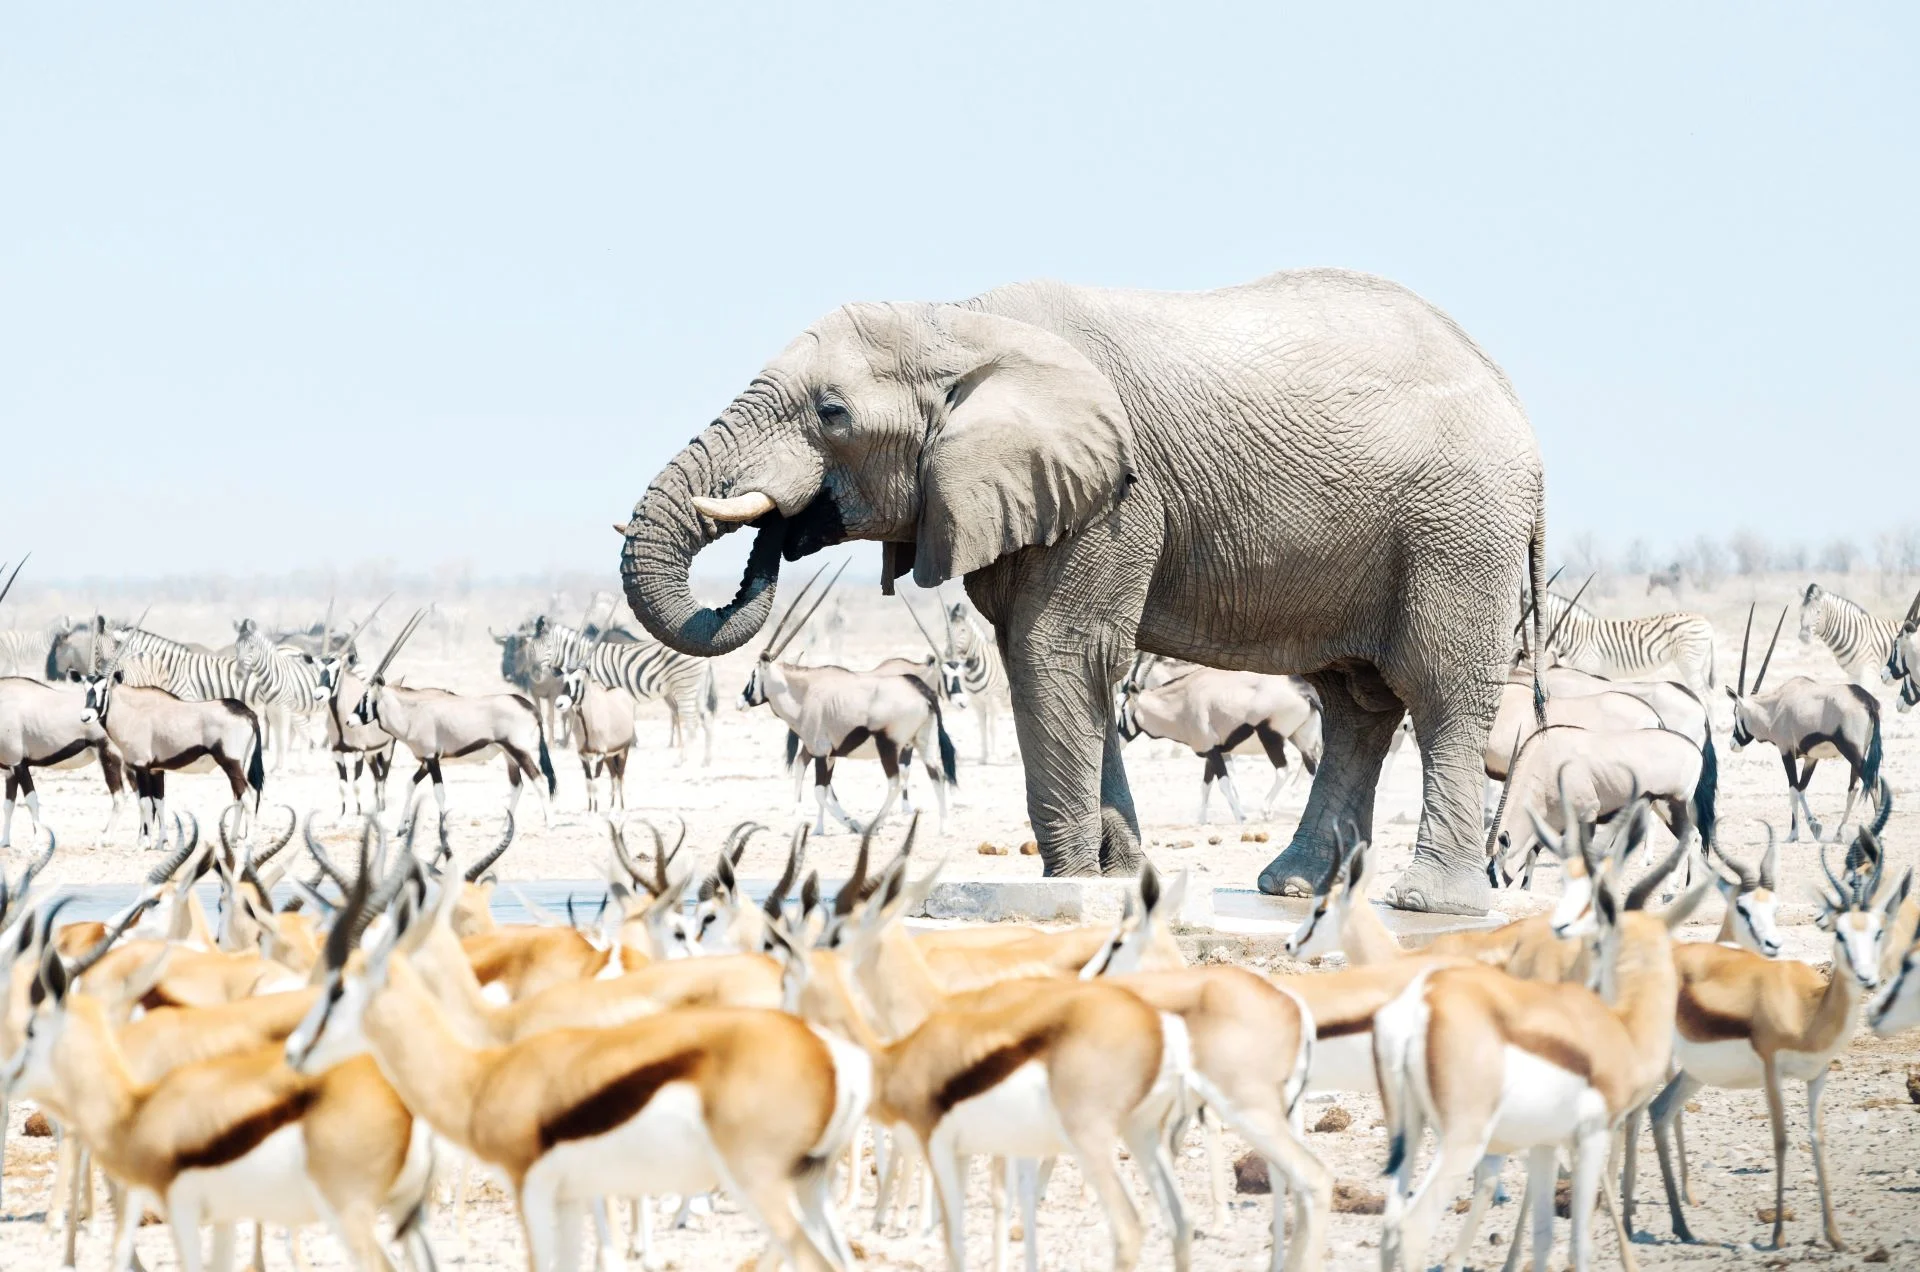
(255, 673)
(24, 653)
(1630, 647)
(185, 671)
(643, 667)
(982, 675)
(282, 685)
(1860, 642)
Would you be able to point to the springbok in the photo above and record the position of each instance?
(1747, 1021)
(438, 725)
(1808, 722)
(682, 1102)
(834, 713)
(1220, 713)
(157, 733)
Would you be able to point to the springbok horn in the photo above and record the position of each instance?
(86, 961)
(1746, 639)
(801, 626)
(899, 858)
(1566, 613)
(661, 857)
(323, 861)
(796, 853)
(1745, 873)
(618, 837)
(747, 507)
(914, 614)
(1641, 891)
(1770, 861)
(36, 865)
(1761, 675)
(1840, 890)
(1867, 887)
(735, 846)
(850, 890)
(479, 868)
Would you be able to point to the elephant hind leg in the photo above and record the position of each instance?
(1355, 738)
(1448, 872)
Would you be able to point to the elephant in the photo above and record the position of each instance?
(1315, 473)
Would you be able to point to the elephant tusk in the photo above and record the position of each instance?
(620, 528)
(745, 507)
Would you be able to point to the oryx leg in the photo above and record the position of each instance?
(414, 796)
(346, 783)
(157, 786)
(440, 785)
(13, 788)
(824, 793)
(1855, 763)
(938, 780)
(593, 789)
(617, 780)
(1276, 748)
(1229, 790)
(381, 764)
(1216, 766)
(1795, 800)
(889, 754)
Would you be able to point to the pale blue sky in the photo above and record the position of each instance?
(304, 286)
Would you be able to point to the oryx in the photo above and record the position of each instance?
(1903, 660)
(42, 726)
(1806, 720)
(1218, 713)
(367, 746)
(602, 728)
(439, 725)
(833, 713)
(157, 733)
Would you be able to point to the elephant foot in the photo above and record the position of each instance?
(1298, 870)
(1431, 886)
(1120, 855)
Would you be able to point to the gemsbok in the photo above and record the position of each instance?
(1220, 713)
(438, 725)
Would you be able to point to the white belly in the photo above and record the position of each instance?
(268, 1184)
(1541, 1103)
(1731, 1064)
(665, 1149)
(1015, 1119)
(1344, 1064)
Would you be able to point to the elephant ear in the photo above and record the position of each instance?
(1032, 445)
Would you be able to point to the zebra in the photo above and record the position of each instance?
(282, 685)
(644, 668)
(23, 652)
(1860, 642)
(1625, 647)
(983, 676)
(186, 672)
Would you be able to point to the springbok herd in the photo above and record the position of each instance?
(349, 1039)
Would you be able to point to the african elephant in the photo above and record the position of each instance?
(1315, 473)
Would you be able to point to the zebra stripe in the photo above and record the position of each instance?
(184, 672)
(981, 670)
(644, 668)
(1626, 647)
(24, 653)
(288, 678)
(1859, 641)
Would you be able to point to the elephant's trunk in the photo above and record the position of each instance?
(665, 535)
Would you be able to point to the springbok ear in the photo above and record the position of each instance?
(1032, 445)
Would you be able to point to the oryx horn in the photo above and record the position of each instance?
(1746, 639)
(12, 577)
(1566, 613)
(393, 650)
(1761, 675)
(346, 646)
(914, 614)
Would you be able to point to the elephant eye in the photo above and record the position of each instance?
(834, 414)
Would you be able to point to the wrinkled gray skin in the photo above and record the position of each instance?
(1315, 473)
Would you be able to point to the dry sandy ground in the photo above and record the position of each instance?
(1873, 1130)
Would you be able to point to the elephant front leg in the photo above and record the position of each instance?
(1356, 739)
(1077, 794)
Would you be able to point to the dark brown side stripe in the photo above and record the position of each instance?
(990, 1070)
(242, 1137)
(1343, 1028)
(1700, 1023)
(618, 1102)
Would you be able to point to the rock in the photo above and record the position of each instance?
(1352, 1199)
(1765, 1214)
(1250, 1174)
(1563, 1200)
(1030, 849)
(1259, 836)
(1693, 1106)
(1880, 1255)
(1213, 839)
(1246, 837)
(1334, 1119)
(1184, 843)
(1463, 1205)
(1913, 1085)
(991, 850)
(38, 1127)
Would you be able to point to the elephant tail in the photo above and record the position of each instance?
(1536, 570)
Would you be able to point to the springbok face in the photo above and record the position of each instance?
(1574, 914)
(1756, 917)
(1858, 934)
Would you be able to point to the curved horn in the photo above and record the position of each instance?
(622, 857)
(323, 861)
(1641, 891)
(86, 961)
(1761, 675)
(1565, 613)
(35, 867)
(850, 890)
(1913, 614)
(899, 857)
(1865, 888)
(796, 853)
(735, 845)
(748, 507)
(1748, 876)
(1840, 890)
(661, 856)
(480, 867)
(1770, 860)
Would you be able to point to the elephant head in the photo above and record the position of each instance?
(959, 435)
